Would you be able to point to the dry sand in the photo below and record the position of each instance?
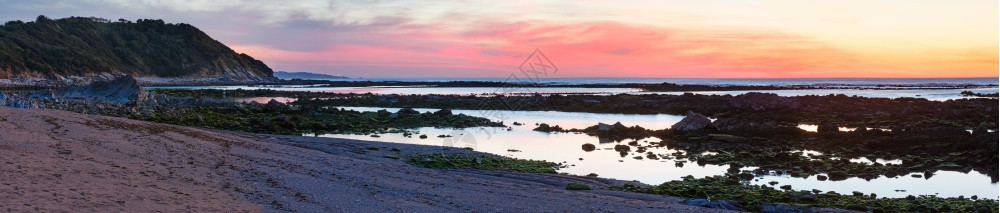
(57, 161)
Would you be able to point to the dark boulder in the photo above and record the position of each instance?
(275, 105)
(603, 127)
(546, 128)
(622, 148)
(837, 176)
(443, 112)
(589, 147)
(383, 113)
(827, 127)
(406, 112)
(977, 131)
(693, 121)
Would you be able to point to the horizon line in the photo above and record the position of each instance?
(997, 77)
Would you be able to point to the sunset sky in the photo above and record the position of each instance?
(584, 38)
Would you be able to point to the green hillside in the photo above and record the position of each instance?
(78, 46)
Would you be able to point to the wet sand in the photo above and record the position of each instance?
(57, 161)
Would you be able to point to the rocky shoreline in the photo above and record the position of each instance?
(63, 161)
(754, 129)
(124, 97)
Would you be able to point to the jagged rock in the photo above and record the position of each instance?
(603, 127)
(256, 106)
(121, 89)
(837, 176)
(693, 121)
(275, 105)
(827, 127)
(405, 112)
(762, 101)
(443, 112)
(383, 113)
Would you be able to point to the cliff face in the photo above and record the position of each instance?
(70, 49)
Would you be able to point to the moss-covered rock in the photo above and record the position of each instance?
(577, 186)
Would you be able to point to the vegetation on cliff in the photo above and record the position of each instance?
(78, 46)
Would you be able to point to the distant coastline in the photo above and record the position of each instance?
(286, 75)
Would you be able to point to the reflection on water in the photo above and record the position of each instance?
(263, 100)
(941, 184)
(877, 160)
(566, 120)
(813, 128)
(522, 142)
(559, 147)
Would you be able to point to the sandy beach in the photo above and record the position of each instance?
(57, 161)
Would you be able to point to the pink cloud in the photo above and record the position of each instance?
(611, 49)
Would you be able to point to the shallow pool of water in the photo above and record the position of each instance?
(941, 184)
(522, 142)
(565, 120)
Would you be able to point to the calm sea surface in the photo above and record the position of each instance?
(726, 81)
(915, 88)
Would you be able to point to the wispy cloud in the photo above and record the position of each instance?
(759, 38)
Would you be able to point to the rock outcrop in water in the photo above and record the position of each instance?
(762, 101)
(827, 127)
(693, 121)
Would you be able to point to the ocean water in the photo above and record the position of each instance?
(929, 88)
(913, 92)
(860, 82)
